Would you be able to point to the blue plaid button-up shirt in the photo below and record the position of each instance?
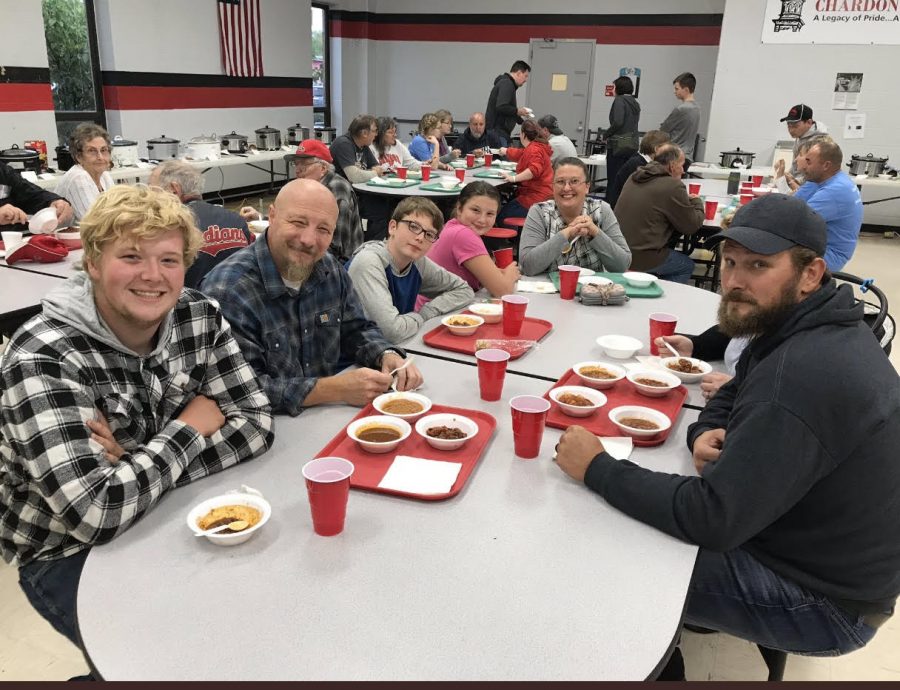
(291, 338)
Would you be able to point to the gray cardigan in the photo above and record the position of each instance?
(541, 244)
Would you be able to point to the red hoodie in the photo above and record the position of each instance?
(536, 158)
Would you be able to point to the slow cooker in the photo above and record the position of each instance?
(203, 148)
(297, 133)
(732, 159)
(64, 159)
(124, 152)
(21, 159)
(162, 148)
(867, 165)
(268, 139)
(325, 134)
(234, 142)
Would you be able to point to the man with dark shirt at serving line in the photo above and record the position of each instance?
(795, 510)
(296, 315)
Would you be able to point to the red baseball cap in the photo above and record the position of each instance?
(311, 148)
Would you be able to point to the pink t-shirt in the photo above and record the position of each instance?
(458, 243)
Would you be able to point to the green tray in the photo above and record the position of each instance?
(504, 165)
(492, 174)
(653, 290)
(438, 187)
(395, 183)
(456, 166)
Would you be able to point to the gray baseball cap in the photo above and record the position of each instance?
(774, 223)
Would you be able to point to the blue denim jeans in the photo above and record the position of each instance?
(735, 593)
(52, 589)
(677, 267)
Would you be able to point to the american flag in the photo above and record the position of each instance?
(241, 42)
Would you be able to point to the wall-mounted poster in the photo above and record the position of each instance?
(635, 74)
(847, 86)
(856, 22)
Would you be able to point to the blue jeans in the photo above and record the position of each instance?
(52, 589)
(677, 267)
(735, 593)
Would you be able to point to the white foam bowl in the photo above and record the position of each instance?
(400, 425)
(257, 227)
(599, 384)
(490, 312)
(43, 221)
(596, 397)
(639, 279)
(456, 421)
(379, 403)
(687, 378)
(449, 182)
(639, 412)
(594, 280)
(619, 346)
(462, 330)
(665, 377)
(235, 498)
(72, 240)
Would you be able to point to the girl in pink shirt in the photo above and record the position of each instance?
(460, 248)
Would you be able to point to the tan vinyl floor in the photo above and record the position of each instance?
(31, 650)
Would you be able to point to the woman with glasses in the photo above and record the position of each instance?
(389, 275)
(571, 228)
(446, 123)
(460, 248)
(388, 149)
(85, 181)
(534, 171)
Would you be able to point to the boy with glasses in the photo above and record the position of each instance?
(390, 274)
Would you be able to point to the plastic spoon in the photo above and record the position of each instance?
(571, 244)
(403, 366)
(235, 526)
(671, 349)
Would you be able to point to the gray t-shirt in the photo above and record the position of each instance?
(682, 125)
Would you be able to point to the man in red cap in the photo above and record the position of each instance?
(802, 128)
(313, 161)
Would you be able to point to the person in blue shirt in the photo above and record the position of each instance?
(832, 194)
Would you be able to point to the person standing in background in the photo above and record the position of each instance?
(502, 113)
(622, 136)
(683, 122)
(802, 127)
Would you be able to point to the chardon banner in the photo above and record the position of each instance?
(855, 22)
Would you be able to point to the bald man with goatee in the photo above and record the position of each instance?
(295, 314)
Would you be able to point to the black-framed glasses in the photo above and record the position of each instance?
(416, 229)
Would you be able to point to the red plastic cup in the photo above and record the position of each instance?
(710, 208)
(401, 172)
(426, 173)
(461, 174)
(660, 324)
(488, 159)
(491, 372)
(470, 160)
(568, 281)
(757, 180)
(694, 189)
(503, 257)
(747, 186)
(514, 307)
(746, 199)
(529, 415)
(328, 487)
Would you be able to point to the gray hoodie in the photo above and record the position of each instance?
(389, 296)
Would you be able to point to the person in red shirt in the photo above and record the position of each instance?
(534, 172)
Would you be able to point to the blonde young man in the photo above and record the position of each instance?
(122, 389)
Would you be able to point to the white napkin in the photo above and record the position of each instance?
(420, 476)
(47, 176)
(542, 286)
(31, 175)
(379, 180)
(646, 362)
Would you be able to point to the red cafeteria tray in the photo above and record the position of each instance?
(442, 338)
(370, 468)
(622, 393)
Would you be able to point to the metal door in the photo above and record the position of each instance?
(560, 83)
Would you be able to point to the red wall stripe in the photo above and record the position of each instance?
(468, 33)
(21, 97)
(180, 97)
